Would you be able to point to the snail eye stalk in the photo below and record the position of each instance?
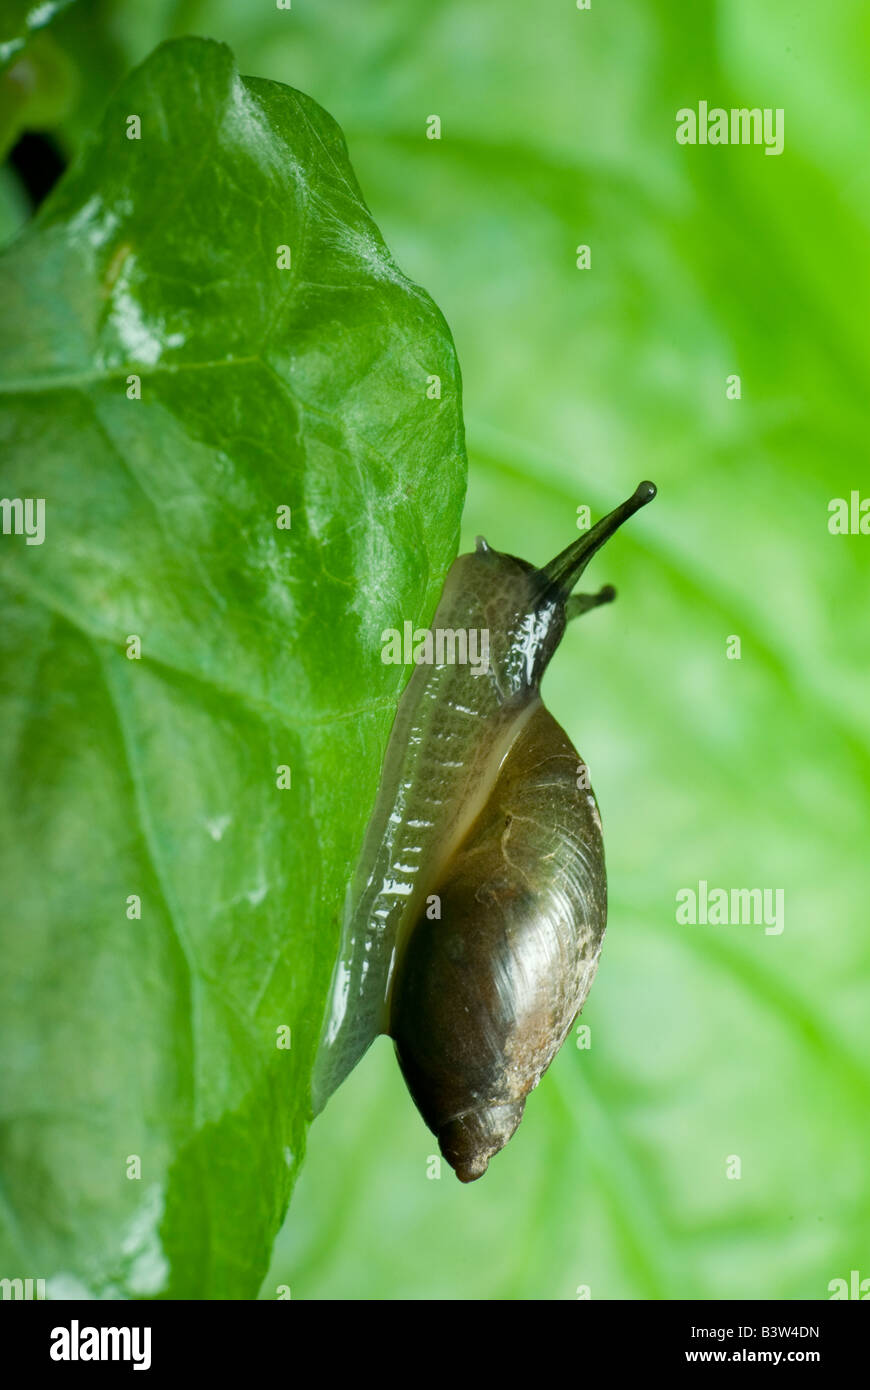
(563, 572)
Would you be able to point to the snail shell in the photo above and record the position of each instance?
(475, 919)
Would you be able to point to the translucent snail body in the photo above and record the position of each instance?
(475, 919)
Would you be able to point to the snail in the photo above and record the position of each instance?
(475, 918)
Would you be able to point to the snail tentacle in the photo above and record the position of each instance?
(562, 573)
(578, 604)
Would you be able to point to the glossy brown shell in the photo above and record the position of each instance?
(484, 997)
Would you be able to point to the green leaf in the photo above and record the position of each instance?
(154, 268)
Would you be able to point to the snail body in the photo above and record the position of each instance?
(475, 919)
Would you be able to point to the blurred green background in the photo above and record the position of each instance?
(706, 1042)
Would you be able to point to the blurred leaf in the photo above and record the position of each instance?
(21, 19)
(13, 206)
(157, 261)
(36, 92)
